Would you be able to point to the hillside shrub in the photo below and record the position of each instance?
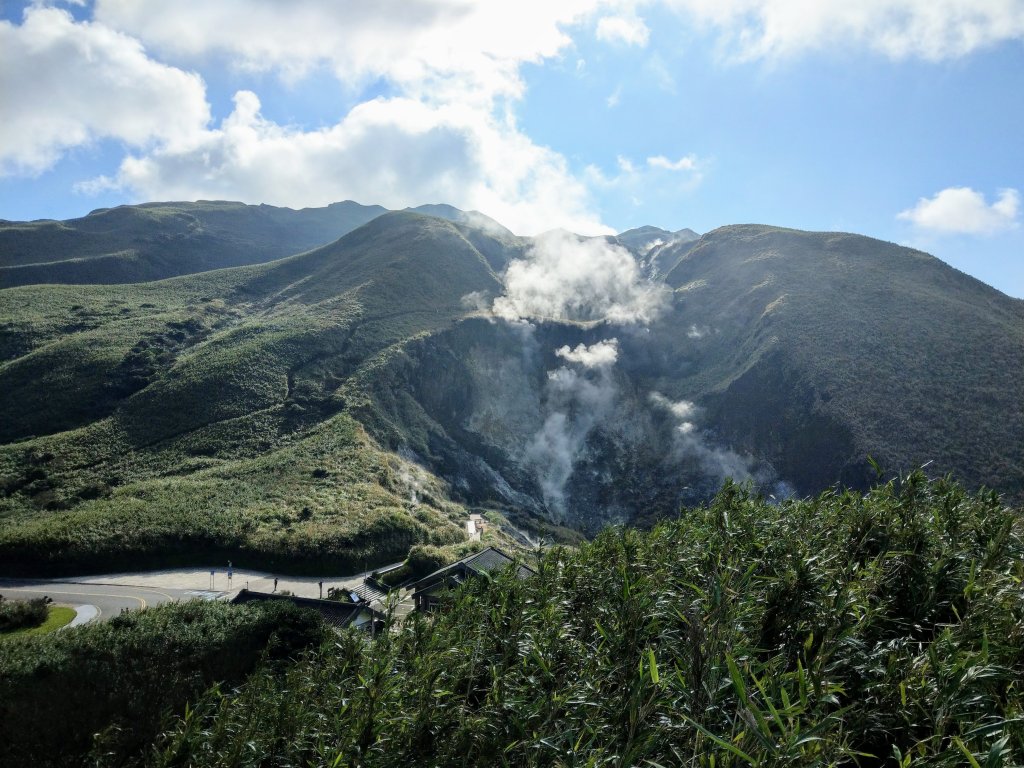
(424, 559)
(18, 614)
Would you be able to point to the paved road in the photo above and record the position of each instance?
(200, 579)
(114, 592)
(109, 599)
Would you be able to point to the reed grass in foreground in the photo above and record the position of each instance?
(848, 629)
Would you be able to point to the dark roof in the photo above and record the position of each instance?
(487, 561)
(369, 592)
(336, 614)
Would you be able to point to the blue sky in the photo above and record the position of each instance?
(899, 119)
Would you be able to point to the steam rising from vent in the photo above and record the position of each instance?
(566, 277)
(650, 246)
(595, 356)
(577, 401)
(718, 462)
(411, 476)
(479, 301)
(682, 410)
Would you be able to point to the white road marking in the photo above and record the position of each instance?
(83, 615)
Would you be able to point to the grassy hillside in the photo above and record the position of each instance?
(135, 243)
(174, 421)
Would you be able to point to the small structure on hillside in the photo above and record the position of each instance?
(339, 615)
(475, 527)
(490, 561)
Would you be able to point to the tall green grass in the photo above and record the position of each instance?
(881, 629)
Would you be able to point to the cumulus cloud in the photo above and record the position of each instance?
(566, 277)
(395, 152)
(432, 49)
(443, 130)
(683, 410)
(961, 210)
(627, 29)
(596, 355)
(65, 84)
(927, 29)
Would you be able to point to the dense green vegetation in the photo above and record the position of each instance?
(848, 629)
(20, 614)
(109, 687)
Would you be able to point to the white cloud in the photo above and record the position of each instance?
(431, 49)
(687, 163)
(66, 84)
(614, 97)
(627, 29)
(446, 132)
(961, 210)
(597, 355)
(394, 152)
(565, 277)
(928, 29)
(657, 175)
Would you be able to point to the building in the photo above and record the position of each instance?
(475, 527)
(427, 591)
(339, 615)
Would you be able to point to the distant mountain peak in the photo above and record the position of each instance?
(643, 240)
(469, 218)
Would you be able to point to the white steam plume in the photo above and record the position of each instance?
(719, 462)
(577, 401)
(566, 277)
(595, 356)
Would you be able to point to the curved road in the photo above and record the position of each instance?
(108, 599)
(110, 594)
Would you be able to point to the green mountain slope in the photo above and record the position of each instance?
(330, 409)
(202, 414)
(135, 243)
(818, 349)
